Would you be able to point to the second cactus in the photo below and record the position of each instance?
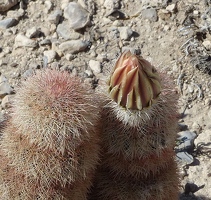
(140, 120)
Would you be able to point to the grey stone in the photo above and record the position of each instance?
(95, 66)
(64, 31)
(23, 41)
(150, 14)
(7, 23)
(184, 158)
(45, 42)
(185, 141)
(50, 55)
(73, 46)
(55, 17)
(77, 16)
(111, 4)
(5, 87)
(125, 32)
(33, 32)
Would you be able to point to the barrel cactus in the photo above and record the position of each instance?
(50, 143)
(138, 134)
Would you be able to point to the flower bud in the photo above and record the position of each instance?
(134, 83)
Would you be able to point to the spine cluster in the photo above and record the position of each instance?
(50, 143)
(138, 137)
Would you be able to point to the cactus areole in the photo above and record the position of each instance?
(134, 83)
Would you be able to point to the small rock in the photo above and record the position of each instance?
(89, 73)
(164, 14)
(17, 14)
(69, 56)
(45, 42)
(64, 4)
(95, 66)
(7, 23)
(50, 55)
(23, 41)
(185, 141)
(64, 31)
(152, 3)
(196, 12)
(48, 6)
(184, 158)
(33, 32)
(55, 17)
(74, 46)
(150, 14)
(125, 32)
(4, 87)
(7, 4)
(171, 8)
(6, 101)
(77, 16)
(207, 44)
(111, 4)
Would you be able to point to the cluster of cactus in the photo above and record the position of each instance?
(62, 141)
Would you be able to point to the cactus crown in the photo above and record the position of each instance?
(134, 83)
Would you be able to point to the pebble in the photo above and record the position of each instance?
(54, 18)
(207, 44)
(74, 46)
(7, 23)
(111, 4)
(5, 87)
(65, 32)
(69, 56)
(150, 14)
(185, 141)
(171, 8)
(45, 42)
(95, 66)
(77, 16)
(64, 4)
(164, 14)
(23, 41)
(89, 73)
(48, 6)
(7, 4)
(33, 32)
(184, 158)
(17, 14)
(125, 32)
(50, 55)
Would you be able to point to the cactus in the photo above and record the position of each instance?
(50, 144)
(138, 137)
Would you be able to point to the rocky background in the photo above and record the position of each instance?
(85, 37)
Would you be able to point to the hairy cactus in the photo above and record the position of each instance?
(49, 148)
(139, 131)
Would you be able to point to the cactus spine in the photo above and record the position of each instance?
(49, 148)
(139, 133)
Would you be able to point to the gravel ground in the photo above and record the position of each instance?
(173, 35)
